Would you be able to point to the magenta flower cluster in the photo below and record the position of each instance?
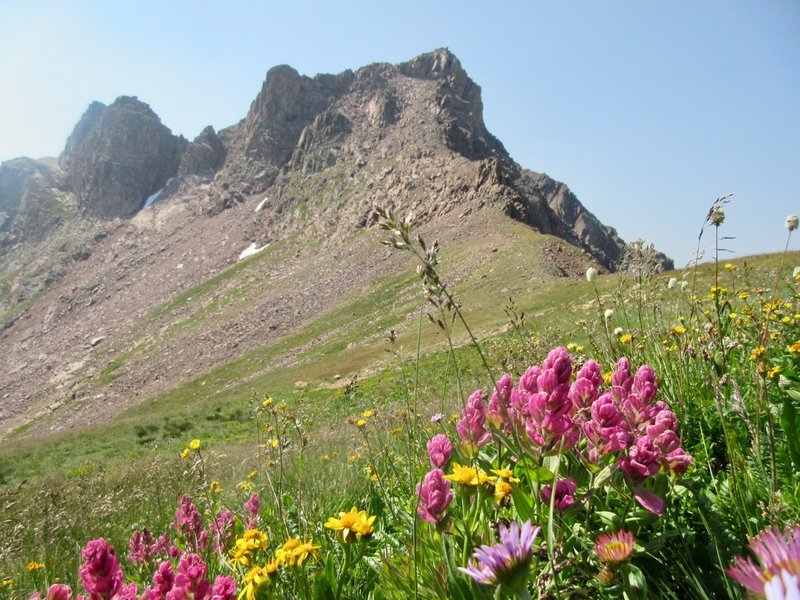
(553, 408)
(103, 579)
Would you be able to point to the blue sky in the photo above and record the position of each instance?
(647, 110)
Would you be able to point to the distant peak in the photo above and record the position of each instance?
(439, 64)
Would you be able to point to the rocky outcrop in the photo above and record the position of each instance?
(459, 104)
(117, 156)
(202, 158)
(32, 199)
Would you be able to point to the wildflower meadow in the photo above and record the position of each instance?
(648, 448)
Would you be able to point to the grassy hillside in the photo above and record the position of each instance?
(336, 413)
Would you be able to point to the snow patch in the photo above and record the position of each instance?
(153, 197)
(251, 250)
(262, 203)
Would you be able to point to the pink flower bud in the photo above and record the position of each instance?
(435, 495)
(565, 494)
(440, 449)
(641, 461)
(100, 571)
(471, 427)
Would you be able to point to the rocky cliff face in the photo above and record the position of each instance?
(117, 156)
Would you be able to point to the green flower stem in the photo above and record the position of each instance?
(343, 578)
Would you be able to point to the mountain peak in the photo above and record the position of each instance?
(117, 156)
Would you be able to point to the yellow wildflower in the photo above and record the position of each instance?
(245, 485)
(325, 457)
(256, 579)
(361, 423)
(625, 338)
(267, 403)
(214, 487)
(354, 521)
(185, 453)
(743, 295)
(730, 266)
(34, 566)
(468, 475)
(506, 474)
(774, 371)
(251, 541)
(194, 444)
(502, 490)
(679, 330)
(7, 581)
(757, 352)
(294, 552)
(274, 442)
(368, 414)
(252, 474)
(786, 320)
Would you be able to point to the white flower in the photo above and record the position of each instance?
(618, 331)
(609, 313)
(591, 274)
(684, 284)
(791, 222)
(673, 281)
(796, 272)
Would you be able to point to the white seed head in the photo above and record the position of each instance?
(791, 222)
(609, 313)
(673, 281)
(591, 274)
(717, 216)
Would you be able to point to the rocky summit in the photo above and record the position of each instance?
(104, 252)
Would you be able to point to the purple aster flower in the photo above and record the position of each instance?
(506, 563)
(777, 574)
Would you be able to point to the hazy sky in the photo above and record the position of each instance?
(647, 110)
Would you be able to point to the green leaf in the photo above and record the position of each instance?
(541, 475)
(322, 589)
(609, 518)
(791, 425)
(637, 581)
(603, 477)
(523, 503)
